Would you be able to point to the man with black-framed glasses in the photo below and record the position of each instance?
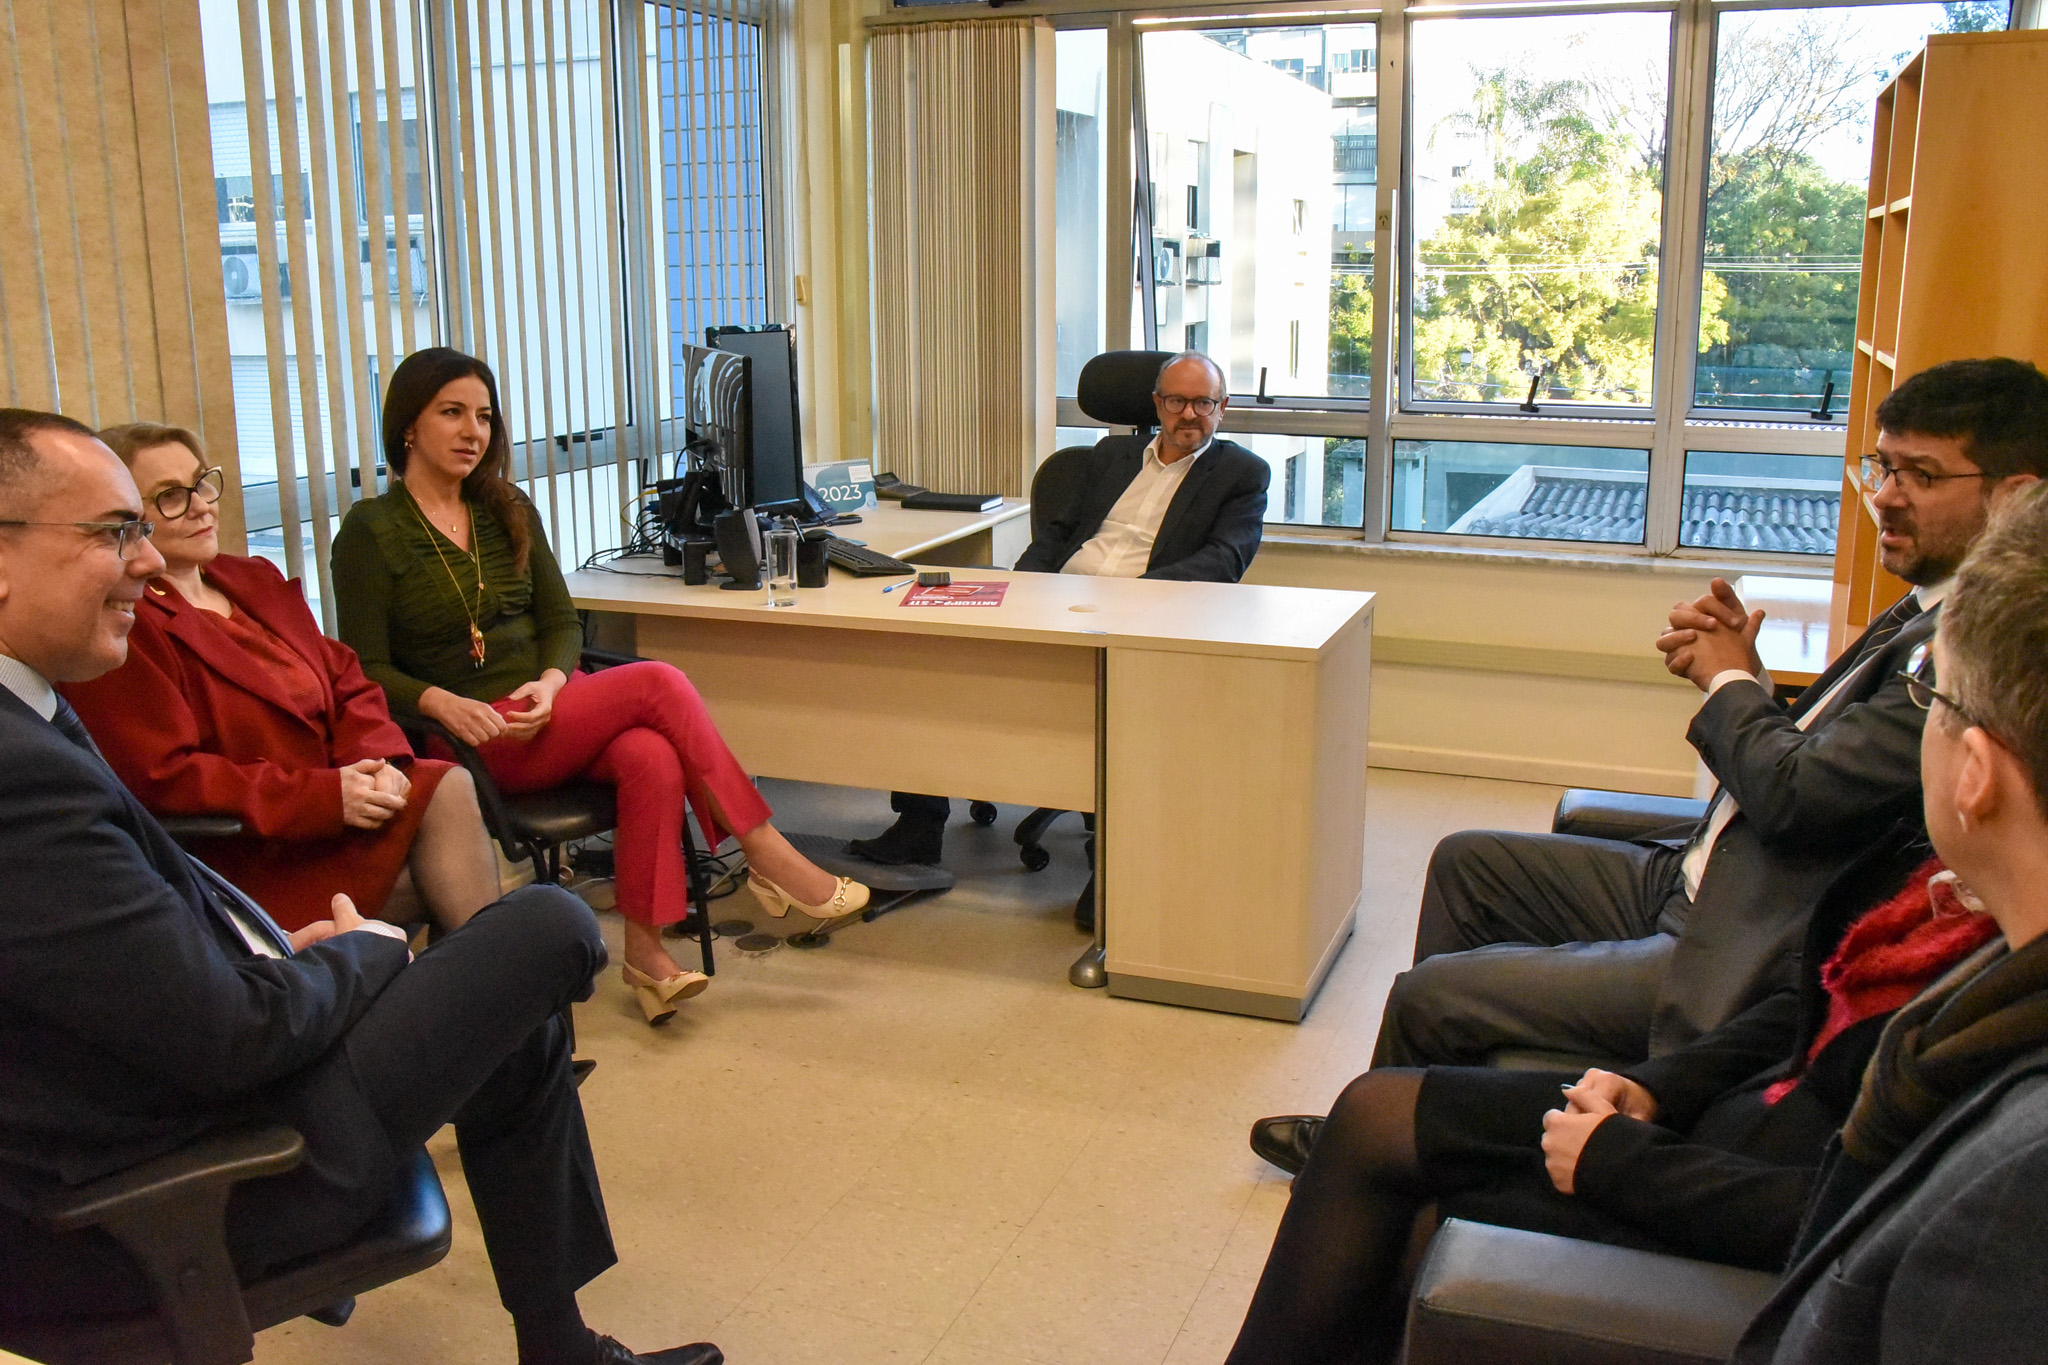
(1620, 950)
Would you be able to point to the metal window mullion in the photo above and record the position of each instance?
(1678, 282)
(302, 308)
(565, 152)
(583, 333)
(1389, 216)
(1119, 220)
(1141, 193)
(538, 226)
(378, 193)
(463, 97)
(716, 122)
(489, 202)
(638, 253)
(263, 190)
(393, 153)
(345, 321)
(693, 140)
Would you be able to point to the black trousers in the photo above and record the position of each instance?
(1543, 941)
(470, 1033)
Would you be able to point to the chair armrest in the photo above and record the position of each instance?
(1493, 1294)
(497, 819)
(596, 660)
(170, 1214)
(1624, 815)
(185, 828)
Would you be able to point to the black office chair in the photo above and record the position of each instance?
(1114, 387)
(170, 1216)
(536, 826)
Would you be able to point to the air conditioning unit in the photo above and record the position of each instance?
(241, 275)
(1166, 262)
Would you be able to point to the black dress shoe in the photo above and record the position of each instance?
(906, 841)
(1285, 1141)
(610, 1352)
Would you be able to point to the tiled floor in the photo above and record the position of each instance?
(921, 1145)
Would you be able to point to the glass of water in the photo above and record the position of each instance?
(781, 547)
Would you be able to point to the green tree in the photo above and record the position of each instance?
(1548, 260)
(1351, 284)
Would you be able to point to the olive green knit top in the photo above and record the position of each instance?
(402, 614)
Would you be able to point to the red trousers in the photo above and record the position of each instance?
(643, 728)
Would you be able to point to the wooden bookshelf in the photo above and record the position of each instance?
(1955, 255)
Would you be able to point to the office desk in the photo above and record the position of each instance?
(1219, 728)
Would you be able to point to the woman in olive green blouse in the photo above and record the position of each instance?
(447, 591)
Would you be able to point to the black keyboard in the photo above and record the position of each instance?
(860, 560)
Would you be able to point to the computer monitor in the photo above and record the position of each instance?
(718, 413)
(776, 471)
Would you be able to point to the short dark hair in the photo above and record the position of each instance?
(21, 466)
(1995, 623)
(1998, 407)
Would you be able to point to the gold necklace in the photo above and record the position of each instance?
(476, 635)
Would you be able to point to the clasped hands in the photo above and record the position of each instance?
(1598, 1095)
(477, 723)
(1711, 635)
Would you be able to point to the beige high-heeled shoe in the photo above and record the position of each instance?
(658, 998)
(848, 897)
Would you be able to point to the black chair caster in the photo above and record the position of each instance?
(1035, 857)
(982, 812)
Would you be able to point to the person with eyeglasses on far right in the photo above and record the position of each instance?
(1186, 506)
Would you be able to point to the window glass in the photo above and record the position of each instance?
(1264, 147)
(1488, 488)
(1786, 179)
(1789, 504)
(1787, 176)
(1080, 256)
(1317, 480)
(1537, 147)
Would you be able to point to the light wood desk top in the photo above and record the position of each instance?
(1241, 619)
(1794, 638)
(902, 534)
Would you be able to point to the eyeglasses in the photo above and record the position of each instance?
(1175, 404)
(1924, 694)
(1876, 471)
(126, 535)
(176, 501)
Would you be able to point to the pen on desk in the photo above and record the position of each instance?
(893, 586)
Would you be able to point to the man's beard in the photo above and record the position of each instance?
(1923, 566)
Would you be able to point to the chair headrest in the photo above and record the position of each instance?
(1116, 387)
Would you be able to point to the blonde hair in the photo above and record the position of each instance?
(132, 438)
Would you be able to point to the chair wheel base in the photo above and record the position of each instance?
(733, 928)
(813, 939)
(1035, 857)
(982, 812)
(335, 1314)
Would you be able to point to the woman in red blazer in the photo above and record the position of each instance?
(232, 702)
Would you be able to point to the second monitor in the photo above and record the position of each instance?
(775, 479)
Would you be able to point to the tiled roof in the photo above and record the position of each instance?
(1723, 515)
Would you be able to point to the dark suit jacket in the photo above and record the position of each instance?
(1943, 1258)
(1211, 528)
(132, 1017)
(1811, 802)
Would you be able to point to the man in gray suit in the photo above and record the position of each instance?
(1612, 951)
(1928, 1237)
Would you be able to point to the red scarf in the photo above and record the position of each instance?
(1889, 955)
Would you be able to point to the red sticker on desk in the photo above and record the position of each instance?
(957, 595)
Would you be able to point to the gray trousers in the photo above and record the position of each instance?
(1550, 942)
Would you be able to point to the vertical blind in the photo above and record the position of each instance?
(110, 290)
(963, 131)
(558, 187)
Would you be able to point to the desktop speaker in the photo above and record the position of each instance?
(738, 534)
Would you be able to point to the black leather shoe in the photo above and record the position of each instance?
(1285, 1141)
(610, 1352)
(906, 841)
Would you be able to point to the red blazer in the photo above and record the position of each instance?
(194, 730)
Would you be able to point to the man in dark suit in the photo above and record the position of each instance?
(1617, 951)
(144, 1001)
(1183, 505)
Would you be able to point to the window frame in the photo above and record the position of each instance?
(1668, 427)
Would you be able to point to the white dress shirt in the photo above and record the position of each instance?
(1723, 808)
(1122, 546)
(31, 686)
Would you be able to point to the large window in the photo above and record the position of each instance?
(1628, 240)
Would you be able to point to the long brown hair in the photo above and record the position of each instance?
(413, 385)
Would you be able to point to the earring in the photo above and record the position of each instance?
(1962, 822)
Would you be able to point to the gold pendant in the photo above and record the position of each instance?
(476, 646)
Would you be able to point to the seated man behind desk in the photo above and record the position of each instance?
(1184, 506)
(144, 1001)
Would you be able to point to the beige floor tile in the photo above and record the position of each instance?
(1066, 1303)
(1244, 1254)
(1145, 1188)
(995, 1156)
(953, 1353)
(1211, 1325)
(812, 1336)
(908, 1268)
